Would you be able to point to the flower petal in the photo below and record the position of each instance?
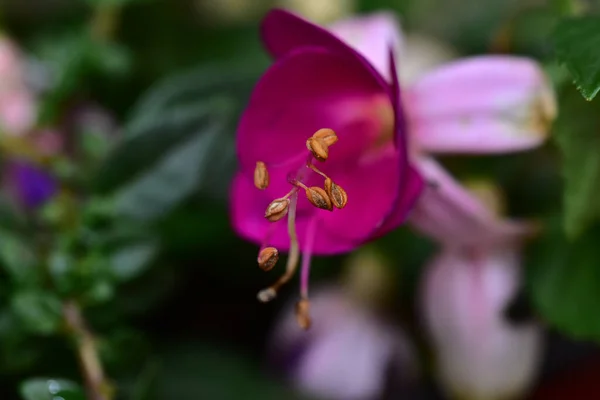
(450, 214)
(283, 32)
(304, 91)
(372, 36)
(488, 104)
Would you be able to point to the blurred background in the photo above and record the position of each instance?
(119, 268)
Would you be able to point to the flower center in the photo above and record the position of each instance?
(325, 198)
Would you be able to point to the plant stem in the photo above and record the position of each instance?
(97, 386)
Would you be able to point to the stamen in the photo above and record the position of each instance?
(309, 241)
(318, 148)
(316, 195)
(267, 258)
(261, 176)
(310, 165)
(277, 209)
(327, 135)
(303, 314)
(270, 293)
(338, 196)
(319, 198)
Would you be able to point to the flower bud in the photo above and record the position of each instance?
(277, 209)
(318, 148)
(303, 314)
(338, 196)
(327, 135)
(319, 198)
(267, 258)
(261, 176)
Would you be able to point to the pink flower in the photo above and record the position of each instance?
(18, 109)
(347, 352)
(319, 82)
(480, 354)
(466, 290)
(478, 105)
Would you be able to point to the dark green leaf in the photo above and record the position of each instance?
(577, 42)
(174, 177)
(50, 389)
(177, 110)
(577, 133)
(39, 312)
(564, 279)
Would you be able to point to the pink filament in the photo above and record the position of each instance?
(306, 256)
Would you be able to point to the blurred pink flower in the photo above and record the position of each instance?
(18, 109)
(466, 290)
(346, 354)
(480, 354)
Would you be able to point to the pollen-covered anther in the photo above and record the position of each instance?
(319, 198)
(318, 148)
(261, 176)
(266, 295)
(338, 196)
(267, 258)
(303, 314)
(277, 209)
(327, 135)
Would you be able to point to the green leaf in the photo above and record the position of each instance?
(173, 178)
(176, 110)
(130, 261)
(577, 133)
(50, 389)
(564, 279)
(577, 42)
(17, 257)
(39, 312)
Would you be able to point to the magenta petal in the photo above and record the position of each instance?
(302, 92)
(411, 192)
(283, 32)
(488, 104)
